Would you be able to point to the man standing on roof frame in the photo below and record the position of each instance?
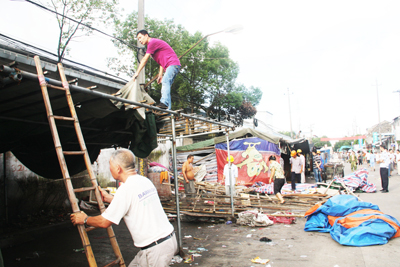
(169, 62)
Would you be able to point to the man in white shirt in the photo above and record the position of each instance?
(368, 155)
(232, 177)
(137, 202)
(296, 169)
(384, 161)
(303, 162)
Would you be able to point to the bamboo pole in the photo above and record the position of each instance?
(64, 169)
(88, 163)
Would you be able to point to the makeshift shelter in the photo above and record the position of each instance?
(25, 130)
(253, 165)
(301, 143)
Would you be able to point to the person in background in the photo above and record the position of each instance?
(316, 167)
(384, 161)
(353, 161)
(360, 158)
(234, 175)
(322, 167)
(188, 175)
(392, 159)
(296, 168)
(397, 161)
(367, 157)
(372, 160)
(137, 202)
(303, 162)
(277, 175)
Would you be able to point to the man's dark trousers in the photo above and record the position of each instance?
(385, 178)
(296, 177)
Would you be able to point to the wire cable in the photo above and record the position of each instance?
(88, 26)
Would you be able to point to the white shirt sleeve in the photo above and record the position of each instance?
(118, 207)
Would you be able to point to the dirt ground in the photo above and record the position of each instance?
(226, 244)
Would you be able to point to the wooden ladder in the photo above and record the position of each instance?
(64, 169)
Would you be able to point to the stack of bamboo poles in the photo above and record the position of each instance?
(211, 201)
(186, 126)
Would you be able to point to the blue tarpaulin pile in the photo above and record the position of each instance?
(351, 222)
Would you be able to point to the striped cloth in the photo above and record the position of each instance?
(260, 187)
(357, 180)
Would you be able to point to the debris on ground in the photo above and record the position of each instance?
(176, 259)
(260, 261)
(253, 218)
(210, 201)
(188, 259)
(282, 217)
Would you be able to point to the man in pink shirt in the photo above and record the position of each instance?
(166, 57)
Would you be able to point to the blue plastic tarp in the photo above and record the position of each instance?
(368, 226)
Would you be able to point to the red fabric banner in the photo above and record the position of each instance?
(324, 139)
(252, 163)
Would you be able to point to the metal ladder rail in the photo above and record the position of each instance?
(67, 179)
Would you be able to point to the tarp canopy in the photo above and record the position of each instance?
(344, 148)
(300, 143)
(239, 134)
(351, 222)
(26, 133)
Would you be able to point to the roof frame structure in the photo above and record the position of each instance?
(27, 75)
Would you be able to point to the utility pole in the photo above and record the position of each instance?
(141, 77)
(398, 91)
(290, 114)
(379, 112)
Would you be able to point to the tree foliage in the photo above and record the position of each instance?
(83, 12)
(207, 80)
(341, 143)
(318, 143)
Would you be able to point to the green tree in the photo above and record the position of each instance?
(318, 143)
(341, 143)
(207, 77)
(251, 97)
(84, 13)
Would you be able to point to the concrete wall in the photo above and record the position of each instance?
(24, 193)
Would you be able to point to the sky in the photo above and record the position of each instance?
(333, 57)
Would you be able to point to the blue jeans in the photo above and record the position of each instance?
(168, 79)
(317, 175)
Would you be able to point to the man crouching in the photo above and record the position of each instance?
(138, 203)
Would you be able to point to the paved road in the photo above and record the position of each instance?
(227, 244)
